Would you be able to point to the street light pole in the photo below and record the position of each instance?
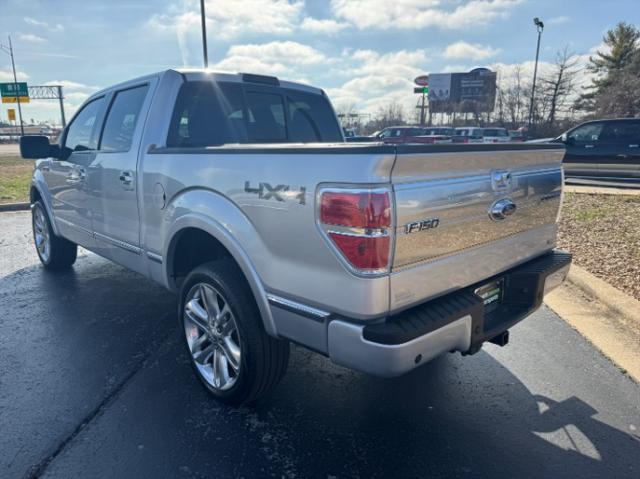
(539, 26)
(203, 19)
(9, 51)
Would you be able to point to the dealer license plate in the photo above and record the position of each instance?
(491, 294)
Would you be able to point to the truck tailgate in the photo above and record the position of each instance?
(444, 221)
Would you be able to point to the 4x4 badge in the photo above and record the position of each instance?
(279, 192)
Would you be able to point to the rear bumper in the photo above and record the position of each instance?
(458, 321)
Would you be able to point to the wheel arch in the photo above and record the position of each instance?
(198, 223)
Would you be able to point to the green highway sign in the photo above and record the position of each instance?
(8, 92)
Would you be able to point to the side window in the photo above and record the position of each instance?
(587, 133)
(122, 119)
(207, 114)
(385, 134)
(266, 121)
(82, 133)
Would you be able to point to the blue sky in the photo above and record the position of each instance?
(363, 52)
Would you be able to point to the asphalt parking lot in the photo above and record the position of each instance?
(94, 382)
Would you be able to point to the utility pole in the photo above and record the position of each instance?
(203, 18)
(539, 26)
(64, 122)
(9, 51)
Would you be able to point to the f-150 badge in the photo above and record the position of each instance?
(279, 192)
(416, 226)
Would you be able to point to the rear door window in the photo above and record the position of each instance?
(621, 132)
(122, 119)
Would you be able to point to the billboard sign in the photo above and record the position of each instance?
(440, 88)
(474, 91)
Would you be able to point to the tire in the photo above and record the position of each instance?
(55, 252)
(231, 353)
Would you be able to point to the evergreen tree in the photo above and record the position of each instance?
(621, 44)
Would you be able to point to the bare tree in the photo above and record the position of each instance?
(558, 88)
(389, 114)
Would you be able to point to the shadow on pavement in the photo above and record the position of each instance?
(74, 345)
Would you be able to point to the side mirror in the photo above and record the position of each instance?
(566, 139)
(34, 147)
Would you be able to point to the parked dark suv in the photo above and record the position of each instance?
(603, 149)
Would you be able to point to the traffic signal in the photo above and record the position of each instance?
(421, 89)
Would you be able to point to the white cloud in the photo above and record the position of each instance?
(30, 38)
(7, 75)
(39, 23)
(558, 20)
(326, 26)
(273, 58)
(464, 50)
(416, 14)
(376, 79)
(228, 19)
(286, 52)
(72, 85)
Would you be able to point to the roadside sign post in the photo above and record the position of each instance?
(16, 89)
(423, 88)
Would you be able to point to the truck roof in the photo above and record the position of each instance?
(195, 74)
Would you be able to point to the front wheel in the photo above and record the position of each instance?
(231, 353)
(55, 253)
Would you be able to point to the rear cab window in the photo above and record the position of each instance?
(218, 113)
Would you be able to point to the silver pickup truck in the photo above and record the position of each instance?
(238, 192)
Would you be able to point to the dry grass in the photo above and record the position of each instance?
(603, 233)
(15, 178)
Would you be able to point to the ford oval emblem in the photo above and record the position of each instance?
(501, 209)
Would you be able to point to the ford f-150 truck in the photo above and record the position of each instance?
(238, 192)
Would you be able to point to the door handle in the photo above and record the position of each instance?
(126, 177)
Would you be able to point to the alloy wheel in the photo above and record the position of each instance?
(212, 336)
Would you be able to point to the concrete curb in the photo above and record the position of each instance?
(14, 206)
(597, 190)
(613, 298)
(608, 318)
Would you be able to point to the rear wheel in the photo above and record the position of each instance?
(231, 353)
(55, 253)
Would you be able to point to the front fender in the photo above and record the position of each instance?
(222, 219)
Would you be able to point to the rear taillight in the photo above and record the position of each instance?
(358, 224)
